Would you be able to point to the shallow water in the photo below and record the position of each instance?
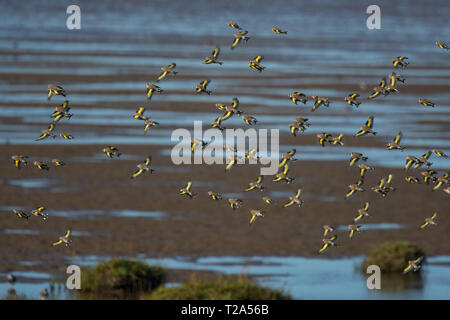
(313, 278)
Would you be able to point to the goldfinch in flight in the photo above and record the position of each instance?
(64, 239)
(442, 45)
(351, 99)
(439, 153)
(187, 190)
(214, 195)
(39, 212)
(61, 111)
(413, 265)
(139, 114)
(278, 30)
(66, 136)
(298, 97)
(167, 70)
(58, 162)
(255, 213)
(111, 151)
(255, 63)
(233, 25)
(283, 176)
(323, 137)
(256, 185)
(213, 57)
(400, 62)
(47, 132)
(352, 228)
(19, 160)
(238, 37)
(150, 123)
(395, 144)
(41, 165)
(426, 102)
(366, 128)
(143, 167)
(21, 214)
(440, 181)
(235, 203)
(202, 87)
(55, 90)
(356, 187)
(380, 89)
(363, 212)
(328, 242)
(295, 199)
(249, 119)
(267, 200)
(151, 88)
(319, 101)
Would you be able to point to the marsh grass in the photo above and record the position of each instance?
(120, 278)
(224, 288)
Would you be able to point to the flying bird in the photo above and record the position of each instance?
(64, 239)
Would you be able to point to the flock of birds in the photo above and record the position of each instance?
(384, 187)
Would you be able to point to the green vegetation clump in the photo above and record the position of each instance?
(222, 289)
(392, 257)
(123, 276)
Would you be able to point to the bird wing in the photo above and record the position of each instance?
(398, 137)
(426, 155)
(350, 193)
(258, 59)
(235, 43)
(358, 218)
(292, 152)
(433, 216)
(188, 185)
(360, 133)
(352, 161)
(351, 233)
(216, 52)
(382, 83)
(294, 129)
(67, 234)
(360, 182)
(288, 204)
(56, 243)
(147, 161)
(226, 116)
(418, 260)
(42, 136)
(323, 248)
(381, 184)
(369, 122)
(366, 206)
(172, 65)
(286, 168)
(374, 94)
(162, 75)
(407, 269)
(408, 163)
(282, 163)
(389, 179)
(424, 225)
(138, 172)
(149, 93)
(204, 83)
(354, 95)
(299, 192)
(228, 167)
(260, 179)
(252, 219)
(49, 95)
